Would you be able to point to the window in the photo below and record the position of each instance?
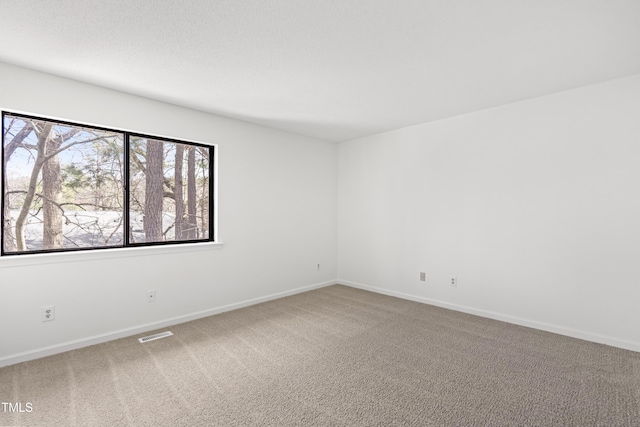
(70, 187)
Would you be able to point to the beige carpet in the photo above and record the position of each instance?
(336, 356)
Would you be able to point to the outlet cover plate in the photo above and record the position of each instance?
(49, 313)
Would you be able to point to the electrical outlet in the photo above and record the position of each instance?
(454, 281)
(48, 313)
(423, 277)
(151, 295)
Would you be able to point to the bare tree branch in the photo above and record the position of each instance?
(84, 141)
(17, 141)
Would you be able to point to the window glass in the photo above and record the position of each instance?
(169, 191)
(69, 187)
(62, 186)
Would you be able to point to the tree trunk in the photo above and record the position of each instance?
(191, 193)
(178, 196)
(153, 191)
(9, 148)
(43, 138)
(9, 238)
(52, 192)
(204, 197)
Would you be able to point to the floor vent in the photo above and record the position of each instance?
(155, 336)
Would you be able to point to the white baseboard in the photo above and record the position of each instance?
(574, 333)
(122, 333)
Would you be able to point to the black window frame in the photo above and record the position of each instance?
(127, 135)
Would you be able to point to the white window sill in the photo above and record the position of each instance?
(97, 254)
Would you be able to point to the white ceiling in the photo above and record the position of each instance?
(333, 69)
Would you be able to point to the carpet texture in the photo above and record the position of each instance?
(336, 356)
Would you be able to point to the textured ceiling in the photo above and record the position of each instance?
(333, 69)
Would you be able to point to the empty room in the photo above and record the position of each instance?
(320, 213)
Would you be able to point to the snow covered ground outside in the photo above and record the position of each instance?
(83, 229)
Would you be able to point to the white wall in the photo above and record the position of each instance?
(277, 219)
(534, 206)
